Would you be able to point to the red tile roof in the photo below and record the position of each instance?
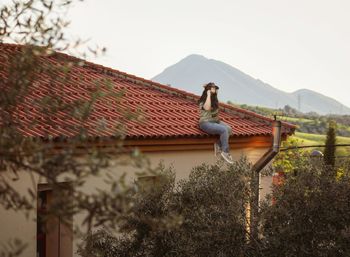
(168, 112)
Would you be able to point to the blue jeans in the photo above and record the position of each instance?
(222, 129)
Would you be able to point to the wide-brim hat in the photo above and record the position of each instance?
(209, 85)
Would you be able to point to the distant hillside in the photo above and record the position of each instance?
(311, 128)
(307, 123)
(193, 71)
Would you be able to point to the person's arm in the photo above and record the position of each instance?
(207, 104)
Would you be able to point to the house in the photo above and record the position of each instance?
(168, 130)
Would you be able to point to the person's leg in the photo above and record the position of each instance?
(217, 147)
(226, 154)
(217, 129)
(224, 131)
(226, 147)
(228, 127)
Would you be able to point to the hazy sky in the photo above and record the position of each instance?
(290, 44)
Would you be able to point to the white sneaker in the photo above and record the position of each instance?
(217, 149)
(227, 157)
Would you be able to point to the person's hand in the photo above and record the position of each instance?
(209, 92)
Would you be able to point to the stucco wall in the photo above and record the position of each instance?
(17, 224)
(183, 161)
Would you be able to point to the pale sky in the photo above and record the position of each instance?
(290, 44)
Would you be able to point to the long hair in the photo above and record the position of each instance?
(213, 97)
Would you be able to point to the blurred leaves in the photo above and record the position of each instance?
(12, 248)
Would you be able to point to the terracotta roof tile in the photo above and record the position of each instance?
(168, 112)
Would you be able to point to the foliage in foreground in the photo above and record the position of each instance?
(310, 216)
(206, 216)
(201, 218)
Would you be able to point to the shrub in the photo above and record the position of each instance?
(202, 216)
(310, 216)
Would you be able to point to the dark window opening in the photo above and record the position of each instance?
(54, 238)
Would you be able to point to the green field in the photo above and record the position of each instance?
(314, 139)
(311, 129)
(291, 120)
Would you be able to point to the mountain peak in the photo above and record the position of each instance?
(303, 90)
(195, 57)
(195, 70)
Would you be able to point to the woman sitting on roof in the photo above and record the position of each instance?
(210, 123)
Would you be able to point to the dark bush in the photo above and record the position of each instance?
(310, 216)
(202, 216)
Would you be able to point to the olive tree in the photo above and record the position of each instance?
(205, 215)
